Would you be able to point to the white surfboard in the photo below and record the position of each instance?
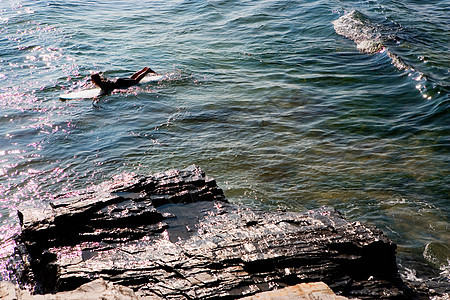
(95, 92)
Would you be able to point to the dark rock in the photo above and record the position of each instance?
(174, 235)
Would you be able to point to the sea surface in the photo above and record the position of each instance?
(289, 104)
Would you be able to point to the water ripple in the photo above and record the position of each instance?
(265, 96)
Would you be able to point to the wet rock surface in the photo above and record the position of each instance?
(174, 235)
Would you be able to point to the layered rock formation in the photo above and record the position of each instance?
(174, 235)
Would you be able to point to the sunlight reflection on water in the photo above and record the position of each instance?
(266, 97)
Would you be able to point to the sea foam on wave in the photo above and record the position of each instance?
(366, 34)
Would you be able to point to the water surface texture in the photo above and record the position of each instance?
(288, 104)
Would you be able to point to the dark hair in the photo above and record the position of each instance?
(96, 76)
(97, 79)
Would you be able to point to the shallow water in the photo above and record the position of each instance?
(265, 96)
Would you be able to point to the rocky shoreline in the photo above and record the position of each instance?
(174, 235)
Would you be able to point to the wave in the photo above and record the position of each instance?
(367, 36)
(372, 38)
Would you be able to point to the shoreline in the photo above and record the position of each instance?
(174, 234)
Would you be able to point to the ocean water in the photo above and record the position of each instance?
(288, 104)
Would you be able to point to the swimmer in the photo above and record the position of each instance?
(107, 86)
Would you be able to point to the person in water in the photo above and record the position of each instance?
(107, 85)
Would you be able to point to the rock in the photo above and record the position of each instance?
(174, 235)
(302, 291)
(100, 289)
(97, 289)
(8, 290)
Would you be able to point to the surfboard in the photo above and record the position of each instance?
(95, 92)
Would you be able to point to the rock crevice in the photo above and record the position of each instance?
(174, 235)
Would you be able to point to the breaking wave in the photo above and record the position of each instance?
(367, 36)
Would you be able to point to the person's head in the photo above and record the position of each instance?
(96, 78)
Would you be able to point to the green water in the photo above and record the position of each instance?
(264, 96)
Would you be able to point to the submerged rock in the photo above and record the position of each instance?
(174, 235)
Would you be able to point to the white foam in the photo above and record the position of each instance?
(358, 28)
(355, 26)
